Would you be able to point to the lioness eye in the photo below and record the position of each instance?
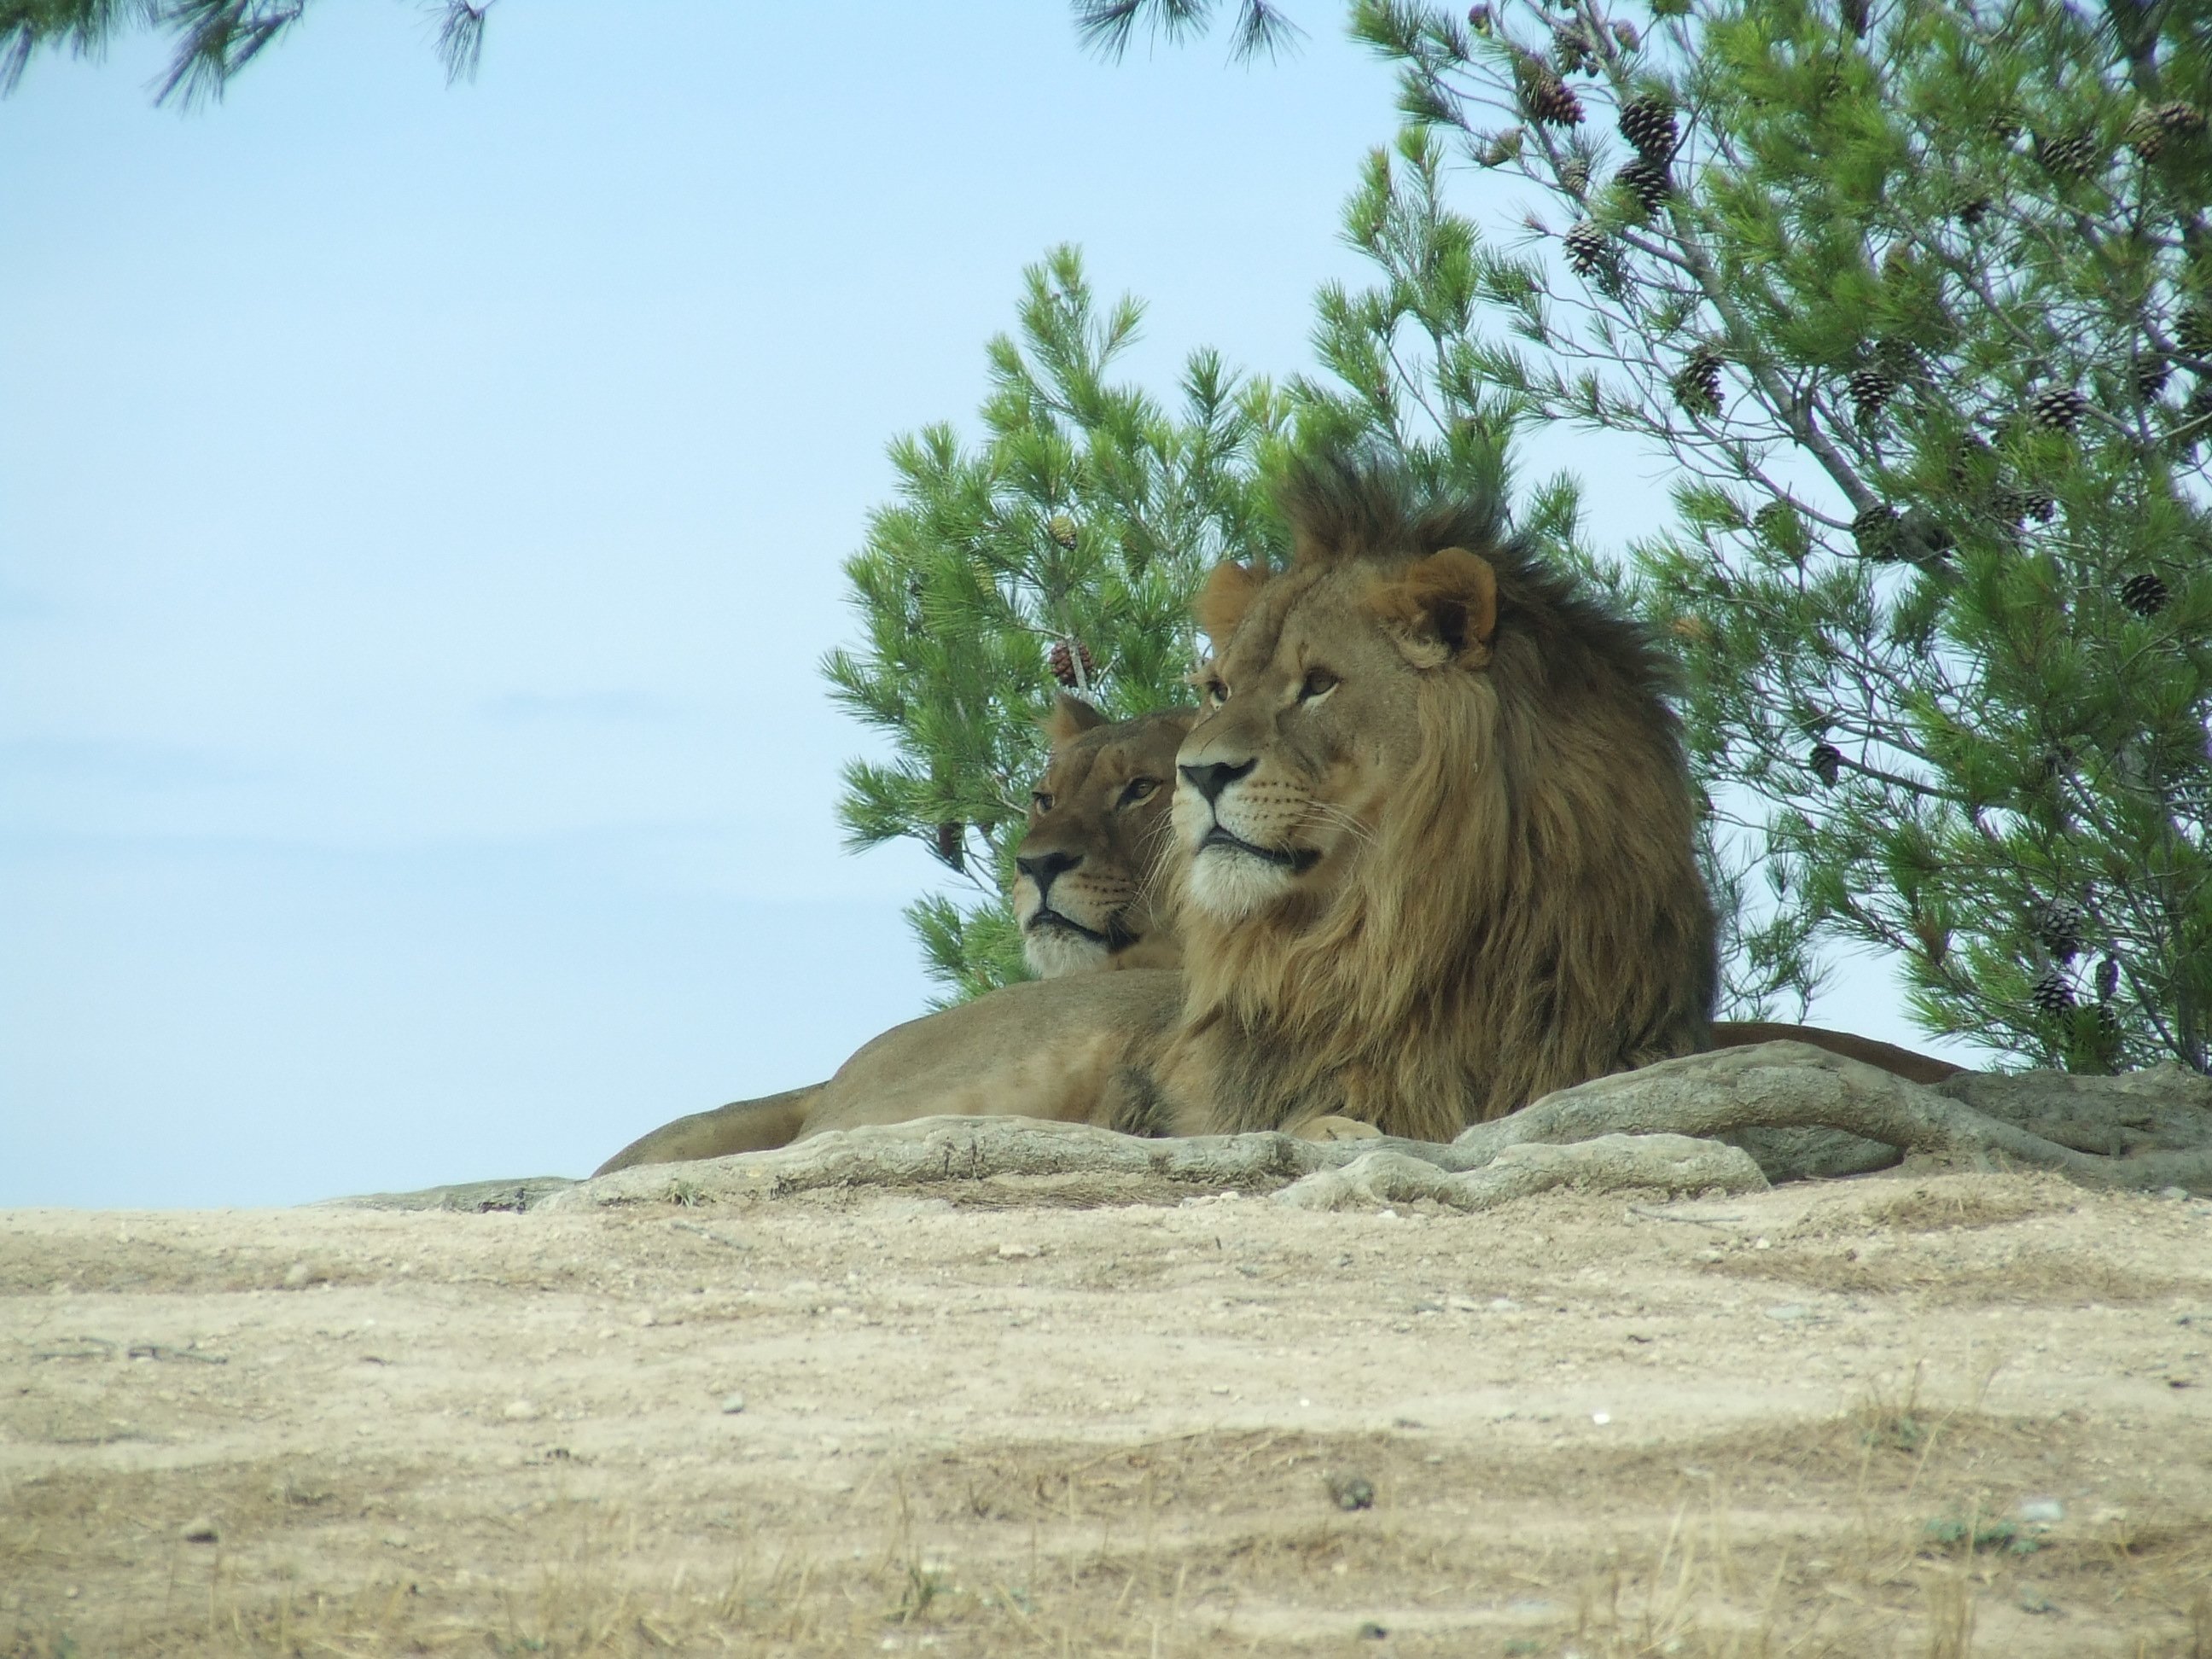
(1041, 801)
(1318, 682)
(1217, 691)
(1139, 789)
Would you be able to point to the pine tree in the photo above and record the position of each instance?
(214, 40)
(1062, 550)
(1921, 316)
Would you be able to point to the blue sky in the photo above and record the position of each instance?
(420, 519)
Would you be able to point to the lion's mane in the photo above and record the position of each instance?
(1525, 912)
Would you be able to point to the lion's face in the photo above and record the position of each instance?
(1312, 716)
(1085, 891)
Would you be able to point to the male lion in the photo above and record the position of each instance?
(1436, 834)
(1086, 898)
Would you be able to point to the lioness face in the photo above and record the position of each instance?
(1311, 714)
(1085, 890)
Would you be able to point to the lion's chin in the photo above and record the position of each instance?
(1055, 951)
(1232, 884)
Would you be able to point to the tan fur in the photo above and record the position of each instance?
(1097, 827)
(1454, 871)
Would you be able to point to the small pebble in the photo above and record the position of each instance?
(520, 1411)
(2042, 1511)
(1371, 1631)
(202, 1531)
(301, 1274)
(732, 1404)
(1351, 1491)
(2173, 1194)
(1600, 1417)
(1017, 1252)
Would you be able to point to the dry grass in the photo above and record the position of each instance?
(1878, 1533)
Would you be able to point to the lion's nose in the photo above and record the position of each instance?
(1045, 866)
(1211, 780)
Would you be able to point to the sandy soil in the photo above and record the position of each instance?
(1924, 1414)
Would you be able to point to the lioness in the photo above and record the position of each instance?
(1087, 899)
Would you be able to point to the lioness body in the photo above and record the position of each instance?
(1086, 895)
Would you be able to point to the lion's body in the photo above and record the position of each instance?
(1436, 843)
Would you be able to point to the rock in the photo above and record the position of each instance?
(520, 1411)
(201, 1531)
(2042, 1511)
(301, 1274)
(1351, 1491)
(472, 1197)
(1018, 1252)
(732, 1404)
(2161, 1108)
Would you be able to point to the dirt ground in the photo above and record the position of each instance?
(1925, 1413)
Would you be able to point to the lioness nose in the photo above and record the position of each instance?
(1045, 866)
(1209, 780)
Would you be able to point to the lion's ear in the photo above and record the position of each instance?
(1442, 609)
(1228, 594)
(1069, 717)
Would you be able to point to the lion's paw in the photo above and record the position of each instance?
(1335, 1129)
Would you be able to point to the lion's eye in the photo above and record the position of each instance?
(1040, 799)
(1318, 682)
(1217, 691)
(1139, 789)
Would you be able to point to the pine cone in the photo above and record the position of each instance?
(1697, 384)
(2051, 993)
(1504, 147)
(1574, 175)
(1064, 660)
(1625, 33)
(952, 840)
(1777, 524)
(1570, 48)
(2067, 155)
(1827, 762)
(2145, 594)
(2039, 505)
(1970, 210)
(1547, 101)
(1588, 252)
(1875, 532)
(2059, 925)
(2192, 333)
(1648, 124)
(2149, 133)
(1477, 19)
(1856, 16)
(1869, 389)
(2152, 372)
(2057, 408)
(2108, 978)
(1061, 528)
(1647, 182)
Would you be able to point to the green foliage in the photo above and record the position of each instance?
(1077, 529)
(214, 40)
(1919, 303)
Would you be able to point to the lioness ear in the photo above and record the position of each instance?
(1442, 609)
(1228, 594)
(1069, 717)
